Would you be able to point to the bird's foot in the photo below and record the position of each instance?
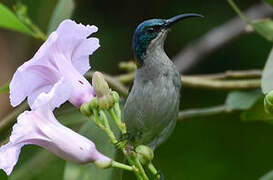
(123, 139)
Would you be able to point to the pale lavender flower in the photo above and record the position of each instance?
(40, 127)
(65, 55)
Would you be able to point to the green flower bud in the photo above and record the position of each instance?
(115, 96)
(100, 85)
(93, 104)
(103, 92)
(268, 103)
(103, 164)
(85, 109)
(145, 154)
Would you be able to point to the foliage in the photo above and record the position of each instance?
(240, 100)
(267, 77)
(63, 10)
(267, 176)
(9, 21)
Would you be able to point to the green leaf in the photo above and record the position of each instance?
(4, 88)
(90, 171)
(37, 164)
(242, 100)
(267, 76)
(9, 21)
(270, 2)
(267, 176)
(264, 27)
(63, 10)
(257, 112)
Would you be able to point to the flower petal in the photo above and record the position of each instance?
(58, 94)
(28, 78)
(8, 157)
(80, 57)
(73, 43)
(64, 54)
(23, 133)
(40, 127)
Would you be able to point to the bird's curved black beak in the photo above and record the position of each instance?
(175, 19)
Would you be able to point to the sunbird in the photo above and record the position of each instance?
(152, 107)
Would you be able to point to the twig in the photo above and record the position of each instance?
(246, 74)
(211, 81)
(126, 78)
(202, 83)
(218, 37)
(128, 66)
(202, 112)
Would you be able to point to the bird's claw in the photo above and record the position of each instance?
(122, 139)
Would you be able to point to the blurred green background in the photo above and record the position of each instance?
(218, 147)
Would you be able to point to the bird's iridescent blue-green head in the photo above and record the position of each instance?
(153, 30)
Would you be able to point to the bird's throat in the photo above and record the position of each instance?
(147, 47)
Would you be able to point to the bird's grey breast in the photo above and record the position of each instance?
(153, 101)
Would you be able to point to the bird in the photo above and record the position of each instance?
(152, 106)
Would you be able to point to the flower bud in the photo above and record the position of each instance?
(115, 96)
(85, 109)
(102, 90)
(145, 154)
(93, 104)
(100, 85)
(268, 103)
(103, 163)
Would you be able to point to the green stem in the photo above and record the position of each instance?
(141, 169)
(113, 139)
(104, 119)
(100, 119)
(132, 163)
(21, 12)
(94, 119)
(153, 170)
(116, 164)
(106, 127)
(117, 120)
(117, 110)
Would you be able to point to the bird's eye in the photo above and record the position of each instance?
(150, 30)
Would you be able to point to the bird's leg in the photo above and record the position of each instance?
(126, 136)
(123, 137)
